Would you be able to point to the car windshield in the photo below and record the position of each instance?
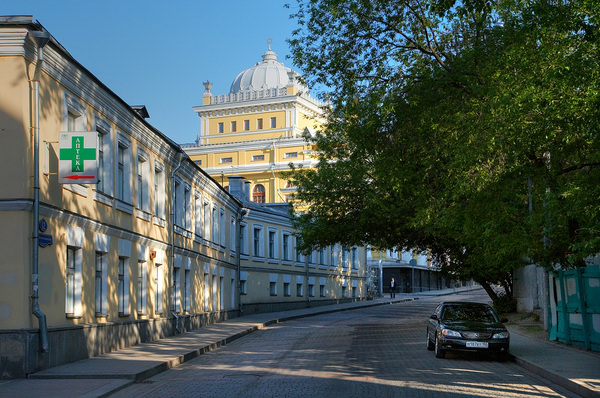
(478, 313)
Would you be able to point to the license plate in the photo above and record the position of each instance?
(477, 344)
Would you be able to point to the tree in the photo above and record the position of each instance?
(470, 129)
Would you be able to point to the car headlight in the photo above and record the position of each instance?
(501, 335)
(450, 333)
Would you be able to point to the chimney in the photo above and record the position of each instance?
(237, 188)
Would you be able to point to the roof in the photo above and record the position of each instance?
(265, 75)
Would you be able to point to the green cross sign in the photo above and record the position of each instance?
(78, 157)
(77, 154)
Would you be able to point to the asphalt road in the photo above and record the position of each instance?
(372, 352)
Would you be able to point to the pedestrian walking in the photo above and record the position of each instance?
(393, 288)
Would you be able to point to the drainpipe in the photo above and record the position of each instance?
(241, 215)
(41, 38)
(380, 274)
(180, 158)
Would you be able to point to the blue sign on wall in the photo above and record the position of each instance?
(44, 240)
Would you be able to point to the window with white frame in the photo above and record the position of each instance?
(311, 258)
(243, 282)
(143, 190)
(141, 290)
(123, 168)
(102, 244)
(158, 288)
(73, 271)
(74, 114)
(206, 291)
(222, 227)
(259, 123)
(123, 285)
(286, 289)
(272, 245)
(322, 283)
(176, 288)
(73, 279)
(258, 241)
(221, 291)
(159, 190)
(197, 214)
(299, 289)
(232, 234)
(354, 258)
(246, 124)
(273, 122)
(333, 260)
(273, 284)
(178, 203)
(233, 126)
(187, 290)
(244, 250)
(104, 184)
(215, 293)
(123, 277)
(286, 246)
(322, 255)
(187, 207)
(232, 289)
(215, 225)
(207, 224)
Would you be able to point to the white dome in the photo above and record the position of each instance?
(267, 74)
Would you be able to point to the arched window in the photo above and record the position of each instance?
(258, 193)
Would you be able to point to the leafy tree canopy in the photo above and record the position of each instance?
(467, 128)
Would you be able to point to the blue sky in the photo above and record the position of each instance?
(157, 53)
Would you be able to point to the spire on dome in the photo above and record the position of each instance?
(269, 55)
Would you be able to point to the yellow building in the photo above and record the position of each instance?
(151, 247)
(257, 129)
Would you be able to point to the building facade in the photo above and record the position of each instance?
(412, 271)
(154, 247)
(258, 129)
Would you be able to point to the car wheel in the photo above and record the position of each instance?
(430, 345)
(439, 352)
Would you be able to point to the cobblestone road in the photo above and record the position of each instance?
(373, 352)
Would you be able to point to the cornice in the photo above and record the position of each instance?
(244, 169)
(267, 104)
(13, 42)
(191, 149)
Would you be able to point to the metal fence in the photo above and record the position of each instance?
(574, 306)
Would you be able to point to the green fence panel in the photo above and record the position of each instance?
(574, 306)
(591, 284)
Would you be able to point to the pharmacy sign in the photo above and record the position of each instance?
(78, 154)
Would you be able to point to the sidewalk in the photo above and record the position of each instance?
(572, 368)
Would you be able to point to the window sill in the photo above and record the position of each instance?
(124, 207)
(144, 215)
(103, 198)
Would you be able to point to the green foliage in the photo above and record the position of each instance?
(467, 128)
(505, 304)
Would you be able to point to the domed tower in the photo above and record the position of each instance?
(257, 129)
(266, 75)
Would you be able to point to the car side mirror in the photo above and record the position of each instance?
(434, 317)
